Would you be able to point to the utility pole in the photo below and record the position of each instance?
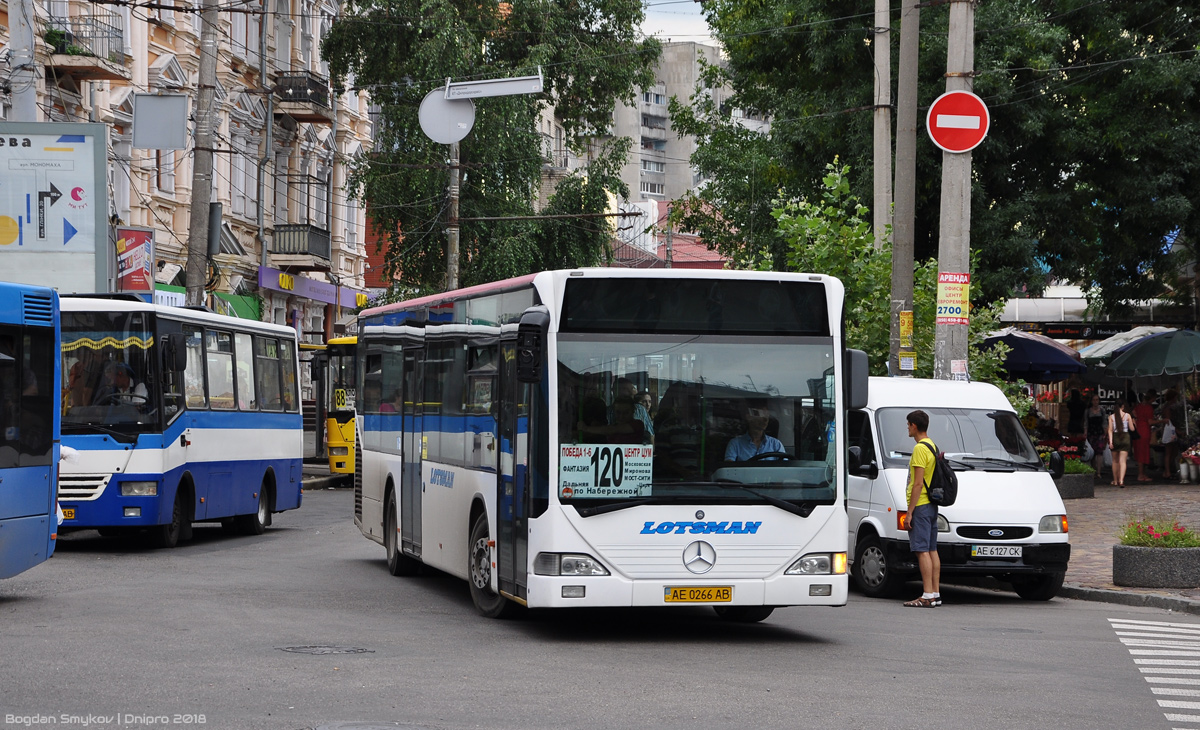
(202, 164)
(906, 176)
(883, 121)
(25, 72)
(670, 254)
(954, 239)
(453, 224)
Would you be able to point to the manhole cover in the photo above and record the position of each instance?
(326, 650)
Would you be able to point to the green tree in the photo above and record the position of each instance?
(1087, 170)
(399, 50)
(833, 236)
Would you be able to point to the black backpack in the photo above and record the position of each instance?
(943, 483)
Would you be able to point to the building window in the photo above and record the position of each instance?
(654, 166)
(651, 188)
(164, 171)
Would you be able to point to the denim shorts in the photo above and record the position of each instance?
(922, 529)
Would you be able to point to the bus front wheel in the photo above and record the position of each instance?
(167, 536)
(398, 563)
(487, 603)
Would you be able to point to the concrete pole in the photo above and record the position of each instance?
(452, 226)
(23, 15)
(883, 121)
(954, 240)
(906, 175)
(202, 164)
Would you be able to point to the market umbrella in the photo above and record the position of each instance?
(1104, 349)
(1169, 353)
(1035, 358)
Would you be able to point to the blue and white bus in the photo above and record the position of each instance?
(177, 415)
(613, 437)
(28, 426)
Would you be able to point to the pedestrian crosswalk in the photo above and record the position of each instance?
(1168, 656)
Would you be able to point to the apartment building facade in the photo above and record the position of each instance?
(292, 247)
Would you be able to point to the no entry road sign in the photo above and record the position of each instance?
(957, 121)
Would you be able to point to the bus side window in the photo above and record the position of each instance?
(219, 347)
(193, 375)
(287, 366)
(244, 352)
(266, 355)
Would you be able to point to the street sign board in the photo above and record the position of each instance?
(957, 121)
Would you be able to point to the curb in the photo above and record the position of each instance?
(329, 482)
(1080, 593)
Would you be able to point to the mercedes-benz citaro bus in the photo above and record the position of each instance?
(613, 437)
(29, 445)
(176, 415)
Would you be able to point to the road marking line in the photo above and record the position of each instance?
(1159, 652)
(1182, 718)
(1167, 662)
(1179, 705)
(1171, 680)
(1166, 670)
(957, 121)
(1193, 627)
(1160, 642)
(1157, 635)
(1176, 692)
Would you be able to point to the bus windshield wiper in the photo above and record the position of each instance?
(804, 509)
(612, 507)
(125, 438)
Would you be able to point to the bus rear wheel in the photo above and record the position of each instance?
(479, 572)
(256, 522)
(398, 563)
(744, 614)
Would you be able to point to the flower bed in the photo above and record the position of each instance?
(1157, 552)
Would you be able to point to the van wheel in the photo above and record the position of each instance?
(479, 573)
(743, 614)
(1039, 587)
(398, 563)
(872, 573)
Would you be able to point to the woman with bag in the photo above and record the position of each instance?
(1172, 419)
(1143, 413)
(1120, 424)
(1094, 432)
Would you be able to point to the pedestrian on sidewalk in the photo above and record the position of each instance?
(1120, 424)
(923, 514)
(1095, 432)
(1172, 413)
(1143, 415)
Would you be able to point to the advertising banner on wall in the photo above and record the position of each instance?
(135, 259)
(54, 205)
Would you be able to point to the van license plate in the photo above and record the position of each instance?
(68, 513)
(996, 551)
(698, 594)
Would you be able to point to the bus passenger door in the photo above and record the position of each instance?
(512, 544)
(410, 474)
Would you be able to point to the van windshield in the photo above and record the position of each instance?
(966, 434)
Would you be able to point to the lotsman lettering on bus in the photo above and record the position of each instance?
(701, 528)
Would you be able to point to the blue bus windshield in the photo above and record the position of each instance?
(108, 371)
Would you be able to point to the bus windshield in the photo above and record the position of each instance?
(699, 418)
(108, 372)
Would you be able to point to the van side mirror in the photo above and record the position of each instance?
(855, 466)
(531, 344)
(1056, 465)
(174, 352)
(857, 370)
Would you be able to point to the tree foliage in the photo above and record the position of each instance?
(399, 50)
(1088, 168)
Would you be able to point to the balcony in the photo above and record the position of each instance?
(88, 48)
(303, 96)
(301, 246)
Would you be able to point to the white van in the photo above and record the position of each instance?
(1008, 521)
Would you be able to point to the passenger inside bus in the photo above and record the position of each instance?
(84, 376)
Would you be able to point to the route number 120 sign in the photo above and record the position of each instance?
(605, 470)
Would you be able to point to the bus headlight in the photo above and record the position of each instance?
(139, 489)
(567, 564)
(819, 564)
(1053, 523)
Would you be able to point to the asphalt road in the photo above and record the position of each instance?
(304, 628)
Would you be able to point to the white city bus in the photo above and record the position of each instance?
(501, 442)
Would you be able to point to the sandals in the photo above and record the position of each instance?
(923, 603)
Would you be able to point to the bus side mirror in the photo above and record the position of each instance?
(531, 344)
(857, 370)
(175, 353)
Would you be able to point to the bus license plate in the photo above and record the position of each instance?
(68, 513)
(698, 594)
(996, 551)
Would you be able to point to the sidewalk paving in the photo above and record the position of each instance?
(1094, 525)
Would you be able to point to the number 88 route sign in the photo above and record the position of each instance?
(605, 470)
(957, 121)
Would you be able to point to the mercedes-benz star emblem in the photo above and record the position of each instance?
(699, 514)
(699, 557)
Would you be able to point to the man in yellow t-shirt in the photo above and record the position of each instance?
(922, 514)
